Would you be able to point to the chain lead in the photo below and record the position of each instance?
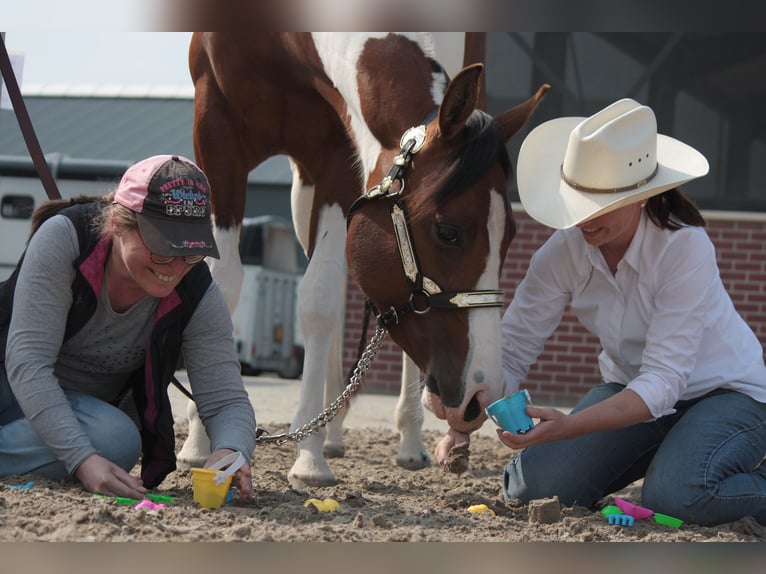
(313, 426)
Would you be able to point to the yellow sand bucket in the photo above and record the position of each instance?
(211, 485)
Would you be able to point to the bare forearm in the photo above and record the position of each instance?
(624, 409)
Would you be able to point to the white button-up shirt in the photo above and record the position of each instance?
(667, 327)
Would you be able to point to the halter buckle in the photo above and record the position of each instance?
(416, 133)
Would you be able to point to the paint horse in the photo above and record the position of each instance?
(425, 244)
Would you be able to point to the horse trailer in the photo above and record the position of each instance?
(266, 328)
(21, 191)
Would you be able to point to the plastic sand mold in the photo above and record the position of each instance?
(637, 512)
(149, 505)
(155, 498)
(621, 519)
(666, 520)
(211, 485)
(26, 486)
(326, 505)
(480, 509)
(608, 511)
(622, 508)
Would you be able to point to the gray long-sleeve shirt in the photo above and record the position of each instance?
(100, 358)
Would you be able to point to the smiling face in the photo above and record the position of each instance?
(613, 229)
(132, 262)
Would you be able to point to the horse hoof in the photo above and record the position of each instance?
(186, 460)
(457, 459)
(413, 462)
(334, 450)
(304, 482)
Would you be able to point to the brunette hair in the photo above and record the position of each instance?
(108, 212)
(672, 210)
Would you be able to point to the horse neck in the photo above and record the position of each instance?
(391, 97)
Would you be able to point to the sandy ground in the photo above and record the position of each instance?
(378, 501)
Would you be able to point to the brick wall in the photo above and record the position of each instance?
(568, 366)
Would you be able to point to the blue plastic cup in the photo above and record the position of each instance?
(510, 413)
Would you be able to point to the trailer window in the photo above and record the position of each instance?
(17, 206)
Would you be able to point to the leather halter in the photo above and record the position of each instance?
(425, 293)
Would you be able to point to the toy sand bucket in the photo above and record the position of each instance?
(510, 413)
(212, 484)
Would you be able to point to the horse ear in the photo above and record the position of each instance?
(513, 120)
(459, 101)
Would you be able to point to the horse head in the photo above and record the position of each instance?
(427, 244)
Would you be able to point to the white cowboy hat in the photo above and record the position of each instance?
(573, 169)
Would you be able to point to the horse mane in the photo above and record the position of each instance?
(483, 146)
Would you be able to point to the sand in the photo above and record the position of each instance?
(378, 502)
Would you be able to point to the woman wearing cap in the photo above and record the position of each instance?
(683, 398)
(108, 294)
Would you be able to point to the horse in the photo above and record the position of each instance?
(398, 179)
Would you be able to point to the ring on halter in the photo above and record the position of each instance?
(414, 307)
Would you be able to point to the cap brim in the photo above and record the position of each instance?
(168, 238)
(547, 199)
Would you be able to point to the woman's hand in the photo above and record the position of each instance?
(550, 428)
(101, 476)
(624, 409)
(242, 477)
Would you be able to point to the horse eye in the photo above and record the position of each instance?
(447, 233)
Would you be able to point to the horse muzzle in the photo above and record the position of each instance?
(467, 416)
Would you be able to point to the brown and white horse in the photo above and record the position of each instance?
(425, 246)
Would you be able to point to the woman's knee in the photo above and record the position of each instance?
(538, 472)
(693, 505)
(121, 443)
(660, 494)
(111, 431)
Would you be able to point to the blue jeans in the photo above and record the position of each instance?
(700, 464)
(111, 432)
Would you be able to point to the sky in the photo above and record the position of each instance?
(68, 59)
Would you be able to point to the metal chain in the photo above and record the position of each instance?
(313, 426)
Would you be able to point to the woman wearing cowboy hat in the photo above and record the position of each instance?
(683, 402)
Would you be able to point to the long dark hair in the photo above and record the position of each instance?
(672, 210)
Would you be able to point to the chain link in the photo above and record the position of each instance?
(313, 426)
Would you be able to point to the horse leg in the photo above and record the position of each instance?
(412, 453)
(228, 273)
(215, 146)
(334, 386)
(196, 448)
(320, 310)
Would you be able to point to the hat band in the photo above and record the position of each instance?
(636, 185)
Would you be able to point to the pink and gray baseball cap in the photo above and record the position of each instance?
(171, 197)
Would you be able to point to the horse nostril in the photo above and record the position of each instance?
(472, 410)
(432, 386)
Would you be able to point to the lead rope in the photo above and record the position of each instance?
(313, 426)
